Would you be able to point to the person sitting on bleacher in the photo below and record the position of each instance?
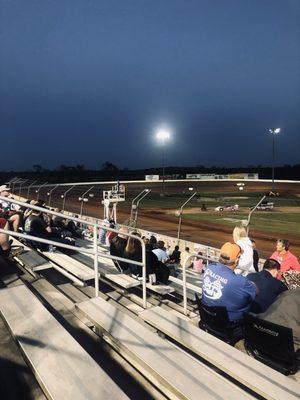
(269, 287)
(223, 288)
(286, 259)
(285, 311)
(160, 252)
(117, 248)
(175, 256)
(4, 238)
(8, 211)
(186, 255)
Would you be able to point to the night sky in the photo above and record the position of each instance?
(85, 81)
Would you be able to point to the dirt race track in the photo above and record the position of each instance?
(158, 220)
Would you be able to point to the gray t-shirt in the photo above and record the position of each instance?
(285, 311)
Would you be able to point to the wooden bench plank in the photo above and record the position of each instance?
(32, 260)
(62, 367)
(160, 289)
(175, 372)
(250, 372)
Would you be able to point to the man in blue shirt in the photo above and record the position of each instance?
(222, 288)
(269, 287)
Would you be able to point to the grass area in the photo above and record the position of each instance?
(285, 223)
(211, 200)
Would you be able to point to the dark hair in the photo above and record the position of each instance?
(187, 249)
(176, 247)
(285, 243)
(160, 244)
(270, 263)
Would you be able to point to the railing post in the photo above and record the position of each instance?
(184, 285)
(95, 242)
(144, 276)
(206, 255)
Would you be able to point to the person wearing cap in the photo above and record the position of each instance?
(223, 288)
(5, 209)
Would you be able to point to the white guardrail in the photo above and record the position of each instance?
(95, 252)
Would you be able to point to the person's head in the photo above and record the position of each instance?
(282, 245)
(160, 244)
(230, 254)
(239, 233)
(176, 248)
(4, 191)
(133, 245)
(122, 232)
(272, 266)
(152, 240)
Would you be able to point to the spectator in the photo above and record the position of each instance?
(4, 238)
(117, 248)
(133, 251)
(285, 311)
(175, 256)
(6, 211)
(152, 242)
(222, 287)
(245, 265)
(184, 255)
(198, 263)
(286, 259)
(160, 252)
(255, 255)
(268, 286)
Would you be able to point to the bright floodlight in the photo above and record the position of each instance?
(275, 130)
(162, 135)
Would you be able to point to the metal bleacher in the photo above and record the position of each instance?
(162, 352)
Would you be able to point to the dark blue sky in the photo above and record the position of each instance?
(85, 81)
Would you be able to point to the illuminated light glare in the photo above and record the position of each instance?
(275, 130)
(162, 135)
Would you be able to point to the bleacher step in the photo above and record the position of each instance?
(261, 379)
(62, 367)
(170, 369)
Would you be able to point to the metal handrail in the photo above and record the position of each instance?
(95, 250)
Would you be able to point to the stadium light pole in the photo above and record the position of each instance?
(180, 212)
(162, 136)
(63, 196)
(50, 195)
(274, 132)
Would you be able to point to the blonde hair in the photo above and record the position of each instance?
(239, 233)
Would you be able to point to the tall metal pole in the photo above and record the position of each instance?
(163, 167)
(180, 214)
(65, 196)
(273, 163)
(50, 195)
(28, 188)
(137, 206)
(82, 199)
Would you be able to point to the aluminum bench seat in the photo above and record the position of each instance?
(258, 377)
(62, 367)
(174, 372)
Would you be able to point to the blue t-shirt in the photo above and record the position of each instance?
(222, 288)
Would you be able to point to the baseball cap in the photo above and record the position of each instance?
(230, 251)
(4, 188)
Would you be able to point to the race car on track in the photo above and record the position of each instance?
(227, 208)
